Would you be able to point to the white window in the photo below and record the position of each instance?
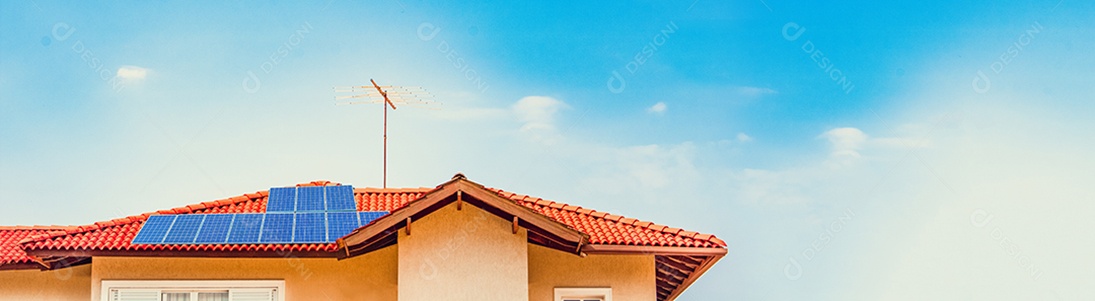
(583, 294)
(193, 290)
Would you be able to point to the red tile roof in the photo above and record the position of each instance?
(609, 229)
(115, 235)
(10, 251)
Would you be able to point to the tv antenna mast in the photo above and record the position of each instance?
(387, 96)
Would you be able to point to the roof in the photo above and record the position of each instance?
(115, 236)
(12, 255)
(609, 229)
(681, 256)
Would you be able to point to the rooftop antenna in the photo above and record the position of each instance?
(387, 96)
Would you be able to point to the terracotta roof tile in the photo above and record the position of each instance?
(602, 228)
(117, 234)
(10, 236)
(612, 229)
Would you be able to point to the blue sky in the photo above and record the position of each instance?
(846, 151)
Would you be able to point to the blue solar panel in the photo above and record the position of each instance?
(341, 198)
(310, 227)
(314, 214)
(215, 228)
(154, 229)
(341, 223)
(369, 216)
(310, 198)
(185, 229)
(282, 199)
(245, 229)
(278, 228)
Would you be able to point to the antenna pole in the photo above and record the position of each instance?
(390, 95)
(387, 102)
(385, 146)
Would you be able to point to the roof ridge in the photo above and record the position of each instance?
(140, 217)
(318, 183)
(393, 190)
(610, 217)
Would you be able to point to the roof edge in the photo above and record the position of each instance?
(611, 217)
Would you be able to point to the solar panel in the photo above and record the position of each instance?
(154, 229)
(310, 227)
(215, 228)
(278, 228)
(340, 198)
(185, 229)
(341, 223)
(282, 199)
(369, 216)
(313, 214)
(310, 198)
(245, 228)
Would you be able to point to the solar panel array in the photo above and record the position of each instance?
(311, 198)
(294, 215)
(251, 228)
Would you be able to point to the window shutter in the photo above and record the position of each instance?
(134, 295)
(265, 294)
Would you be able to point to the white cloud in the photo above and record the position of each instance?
(132, 73)
(537, 113)
(658, 108)
(742, 137)
(845, 142)
(755, 91)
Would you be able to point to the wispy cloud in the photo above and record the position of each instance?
(658, 108)
(742, 137)
(132, 73)
(845, 142)
(537, 113)
(755, 91)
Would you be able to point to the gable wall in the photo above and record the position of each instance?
(468, 254)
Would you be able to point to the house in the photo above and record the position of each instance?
(457, 241)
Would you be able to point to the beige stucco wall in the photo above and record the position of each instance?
(61, 285)
(463, 255)
(631, 277)
(368, 277)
